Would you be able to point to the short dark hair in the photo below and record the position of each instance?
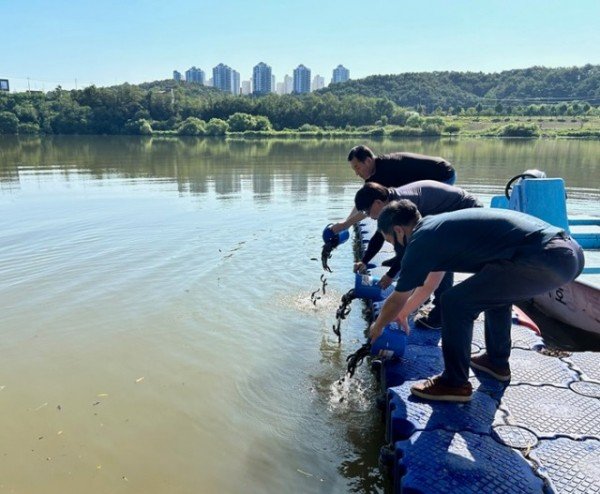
(368, 194)
(398, 213)
(361, 153)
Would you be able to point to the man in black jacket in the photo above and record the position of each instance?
(394, 170)
(431, 197)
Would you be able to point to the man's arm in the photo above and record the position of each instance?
(374, 247)
(392, 306)
(354, 217)
(420, 295)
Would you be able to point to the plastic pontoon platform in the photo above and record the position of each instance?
(538, 434)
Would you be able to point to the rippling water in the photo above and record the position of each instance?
(156, 331)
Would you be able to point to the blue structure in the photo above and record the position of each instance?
(538, 434)
(336, 238)
(545, 198)
(367, 287)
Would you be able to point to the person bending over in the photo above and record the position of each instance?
(394, 170)
(513, 256)
(430, 197)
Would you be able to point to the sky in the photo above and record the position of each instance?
(75, 43)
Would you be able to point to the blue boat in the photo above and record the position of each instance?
(578, 302)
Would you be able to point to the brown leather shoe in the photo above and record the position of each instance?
(482, 363)
(435, 389)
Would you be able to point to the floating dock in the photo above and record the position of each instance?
(538, 434)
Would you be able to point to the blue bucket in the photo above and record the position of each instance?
(335, 238)
(391, 343)
(377, 308)
(366, 286)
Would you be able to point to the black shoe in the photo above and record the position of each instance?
(428, 322)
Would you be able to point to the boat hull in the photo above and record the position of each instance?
(576, 303)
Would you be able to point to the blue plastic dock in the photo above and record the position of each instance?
(538, 434)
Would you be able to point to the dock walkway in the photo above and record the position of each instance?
(538, 434)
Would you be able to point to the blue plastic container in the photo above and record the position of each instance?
(366, 286)
(329, 236)
(543, 198)
(391, 343)
(376, 306)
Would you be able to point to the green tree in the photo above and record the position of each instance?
(192, 126)
(216, 127)
(262, 123)
(415, 120)
(239, 122)
(452, 128)
(29, 128)
(9, 123)
(519, 130)
(26, 112)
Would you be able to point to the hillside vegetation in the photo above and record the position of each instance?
(527, 103)
(456, 90)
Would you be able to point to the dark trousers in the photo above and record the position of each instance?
(447, 281)
(493, 290)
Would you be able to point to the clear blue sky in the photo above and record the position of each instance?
(108, 42)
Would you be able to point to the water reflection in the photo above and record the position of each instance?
(193, 162)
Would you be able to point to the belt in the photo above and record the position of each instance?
(563, 235)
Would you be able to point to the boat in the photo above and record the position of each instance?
(577, 303)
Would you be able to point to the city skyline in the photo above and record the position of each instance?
(262, 81)
(77, 44)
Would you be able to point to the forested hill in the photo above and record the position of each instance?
(431, 90)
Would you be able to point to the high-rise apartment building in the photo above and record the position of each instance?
(247, 87)
(301, 79)
(318, 82)
(177, 75)
(288, 84)
(262, 78)
(226, 79)
(273, 84)
(340, 74)
(235, 82)
(194, 74)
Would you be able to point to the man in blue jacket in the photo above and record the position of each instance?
(513, 256)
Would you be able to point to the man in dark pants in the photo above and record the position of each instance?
(430, 197)
(514, 257)
(394, 170)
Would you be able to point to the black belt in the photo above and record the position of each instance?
(563, 235)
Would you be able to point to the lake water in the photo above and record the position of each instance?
(156, 328)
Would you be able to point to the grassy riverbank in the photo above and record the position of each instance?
(467, 126)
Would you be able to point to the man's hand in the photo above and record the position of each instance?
(359, 267)
(385, 281)
(337, 227)
(375, 332)
(402, 319)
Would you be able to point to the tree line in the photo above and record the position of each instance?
(456, 91)
(414, 103)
